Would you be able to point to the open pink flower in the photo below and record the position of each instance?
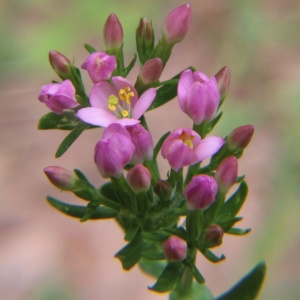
(58, 96)
(198, 96)
(184, 147)
(116, 103)
(99, 66)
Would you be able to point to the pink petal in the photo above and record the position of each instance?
(121, 83)
(143, 103)
(96, 116)
(127, 121)
(185, 82)
(196, 103)
(208, 147)
(100, 94)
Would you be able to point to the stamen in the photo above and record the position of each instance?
(187, 139)
(124, 113)
(126, 94)
(112, 102)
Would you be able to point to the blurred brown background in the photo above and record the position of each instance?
(45, 255)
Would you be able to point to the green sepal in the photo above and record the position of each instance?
(152, 268)
(207, 126)
(78, 211)
(132, 252)
(196, 292)
(130, 66)
(65, 121)
(179, 231)
(157, 236)
(227, 223)
(155, 252)
(108, 192)
(211, 256)
(238, 231)
(169, 277)
(90, 48)
(196, 273)
(71, 138)
(232, 206)
(248, 287)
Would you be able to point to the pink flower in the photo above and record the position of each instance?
(139, 178)
(58, 96)
(177, 24)
(184, 147)
(201, 192)
(143, 143)
(116, 103)
(198, 96)
(114, 151)
(174, 248)
(99, 66)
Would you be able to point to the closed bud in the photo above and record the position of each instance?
(175, 248)
(113, 33)
(226, 173)
(223, 79)
(61, 177)
(150, 71)
(163, 189)
(139, 178)
(213, 235)
(201, 192)
(177, 24)
(240, 137)
(60, 64)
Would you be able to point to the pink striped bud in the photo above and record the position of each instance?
(60, 64)
(151, 71)
(213, 235)
(113, 33)
(139, 178)
(240, 137)
(175, 248)
(226, 173)
(61, 177)
(223, 79)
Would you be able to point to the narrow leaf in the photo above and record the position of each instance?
(169, 277)
(153, 268)
(197, 275)
(211, 256)
(71, 138)
(90, 48)
(159, 144)
(65, 121)
(238, 231)
(78, 211)
(130, 66)
(248, 287)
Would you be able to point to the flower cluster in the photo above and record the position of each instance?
(146, 204)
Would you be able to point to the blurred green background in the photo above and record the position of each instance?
(44, 255)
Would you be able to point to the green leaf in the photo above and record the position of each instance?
(211, 256)
(197, 292)
(78, 211)
(227, 222)
(65, 121)
(234, 203)
(153, 268)
(130, 66)
(90, 48)
(169, 277)
(196, 273)
(238, 231)
(132, 252)
(248, 287)
(157, 236)
(159, 144)
(71, 138)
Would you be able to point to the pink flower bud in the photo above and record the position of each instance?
(226, 173)
(143, 142)
(223, 79)
(175, 248)
(113, 33)
(200, 193)
(151, 71)
(163, 189)
(59, 63)
(114, 151)
(100, 66)
(240, 137)
(58, 96)
(139, 178)
(61, 177)
(198, 96)
(177, 24)
(213, 235)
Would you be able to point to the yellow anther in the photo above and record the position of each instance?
(187, 139)
(124, 113)
(126, 94)
(112, 102)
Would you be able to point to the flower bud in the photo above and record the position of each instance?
(213, 235)
(143, 142)
(144, 40)
(240, 137)
(61, 177)
(60, 64)
(100, 66)
(163, 189)
(150, 71)
(226, 173)
(114, 151)
(113, 33)
(177, 24)
(223, 79)
(200, 193)
(198, 96)
(139, 178)
(175, 248)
